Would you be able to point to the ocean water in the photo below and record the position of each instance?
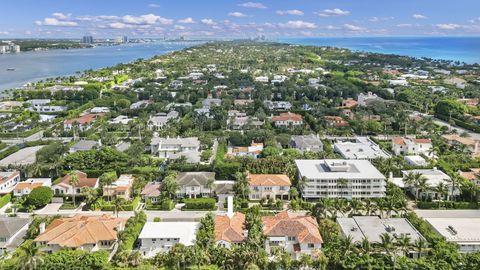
(34, 66)
(463, 49)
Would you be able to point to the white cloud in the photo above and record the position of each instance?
(252, 5)
(61, 16)
(333, 12)
(187, 20)
(119, 25)
(419, 16)
(298, 25)
(153, 5)
(145, 19)
(4, 33)
(448, 26)
(380, 19)
(237, 14)
(405, 25)
(208, 22)
(294, 12)
(351, 27)
(179, 27)
(55, 22)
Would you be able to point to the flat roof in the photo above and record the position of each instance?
(185, 231)
(349, 169)
(372, 227)
(457, 229)
(434, 176)
(363, 148)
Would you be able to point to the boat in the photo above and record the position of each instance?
(10, 69)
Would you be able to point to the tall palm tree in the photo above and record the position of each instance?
(30, 256)
(412, 179)
(370, 207)
(342, 184)
(420, 246)
(366, 245)
(453, 181)
(422, 185)
(356, 206)
(387, 243)
(404, 242)
(471, 188)
(74, 180)
(442, 190)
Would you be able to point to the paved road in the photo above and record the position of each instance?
(473, 135)
(174, 215)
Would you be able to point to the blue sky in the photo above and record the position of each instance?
(238, 19)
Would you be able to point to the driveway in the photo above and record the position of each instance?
(448, 213)
(49, 209)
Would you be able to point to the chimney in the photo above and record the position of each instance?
(230, 206)
(41, 227)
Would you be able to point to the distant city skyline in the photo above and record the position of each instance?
(238, 19)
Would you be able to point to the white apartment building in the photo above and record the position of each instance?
(324, 179)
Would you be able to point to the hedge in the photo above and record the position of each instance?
(9, 151)
(132, 231)
(199, 204)
(164, 205)
(459, 123)
(5, 199)
(447, 205)
(11, 135)
(124, 207)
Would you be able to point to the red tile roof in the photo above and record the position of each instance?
(230, 229)
(269, 180)
(303, 228)
(83, 181)
(288, 116)
(85, 119)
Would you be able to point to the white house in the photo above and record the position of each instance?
(462, 231)
(8, 180)
(337, 178)
(25, 187)
(405, 146)
(159, 237)
(362, 148)
(64, 187)
(269, 186)
(168, 147)
(434, 178)
(365, 99)
(194, 184)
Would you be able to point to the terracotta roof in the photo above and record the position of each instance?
(7, 176)
(83, 181)
(422, 141)
(303, 228)
(151, 190)
(269, 180)
(471, 175)
(288, 116)
(81, 230)
(29, 185)
(230, 229)
(398, 141)
(459, 139)
(85, 119)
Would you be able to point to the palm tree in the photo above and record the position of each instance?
(387, 243)
(411, 180)
(355, 207)
(442, 190)
(423, 185)
(370, 207)
(404, 242)
(118, 205)
(321, 208)
(30, 256)
(454, 180)
(342, 184)
(74, 180)
(366, 246)
(420, 245)
(347, 244)
(471, 188)
(107, 179)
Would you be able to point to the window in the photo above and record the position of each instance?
(311, 245)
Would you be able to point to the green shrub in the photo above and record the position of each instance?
(200, 204)
(156, 219)
(5, 199)
(132, 231)
(39, 197)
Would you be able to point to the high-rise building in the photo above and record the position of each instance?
(125, 39)
(87, 39)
